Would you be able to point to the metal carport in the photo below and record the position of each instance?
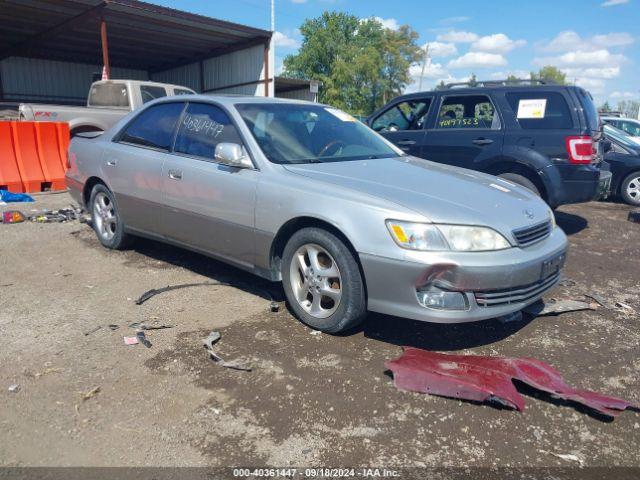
(51, 49)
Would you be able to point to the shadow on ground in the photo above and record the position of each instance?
(571, 223)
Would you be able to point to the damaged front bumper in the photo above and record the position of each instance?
(456, 287)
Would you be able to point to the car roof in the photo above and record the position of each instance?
(491, 88)
(231, 99)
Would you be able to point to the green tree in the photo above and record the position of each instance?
(512, 78)
(629, 108)
(605, 107)
(441, 85)
(473, 80)
(360, 63)
(550, 74)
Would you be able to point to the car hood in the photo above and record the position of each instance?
(441, 193)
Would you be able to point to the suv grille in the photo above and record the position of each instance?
(530, 235)
(495, 298)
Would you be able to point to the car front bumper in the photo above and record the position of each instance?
(493, 283)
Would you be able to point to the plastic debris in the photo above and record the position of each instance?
(555, 307)
(598, 299)
(233, 364)
(113, 327)
(274, 307)
(512, 317)
(634, 216)
(57, 216)
(14, 388)
(315, 333)
(482, 378)
(10, 197)
(144, 326)
(142, 338)
(12, 216)
(130, 340)
(90, 394)
(156, 291)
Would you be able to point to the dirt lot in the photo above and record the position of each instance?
(311, 400)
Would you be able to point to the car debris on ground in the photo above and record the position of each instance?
(569, 457)
(555, 307)
(93, 330)
(484, 378)
(130, 340)
(142, 338)
(12, 216)
(14, 388)
(237, 364)
(634, 216)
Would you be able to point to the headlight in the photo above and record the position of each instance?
(432, 237)
(553, 219)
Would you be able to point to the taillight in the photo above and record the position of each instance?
(580, 149)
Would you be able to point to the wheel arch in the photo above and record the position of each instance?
(298, 223)
(88, 187)
(508, 165)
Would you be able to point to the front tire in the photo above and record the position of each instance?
(106, 220)
(630, 189)
(322, 281)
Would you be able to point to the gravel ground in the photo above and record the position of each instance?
(311, 399)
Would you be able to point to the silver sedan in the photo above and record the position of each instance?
(304, 194)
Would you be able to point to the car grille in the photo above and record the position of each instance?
(495, 298)
(530, 235)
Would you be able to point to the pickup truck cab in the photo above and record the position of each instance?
(108, 101)
(541, 136)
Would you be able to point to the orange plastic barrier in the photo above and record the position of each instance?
(9, 173)
(33, 156)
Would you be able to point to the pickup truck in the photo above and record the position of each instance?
(108, 102)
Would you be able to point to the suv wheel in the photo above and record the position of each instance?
(630, 189)
(520, 180)
(106, 220)
(322, 281)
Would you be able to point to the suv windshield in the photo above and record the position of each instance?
(291, 133)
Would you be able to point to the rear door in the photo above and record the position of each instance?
(468, 131)
(403, 123)
(133, 165)
(210, 206)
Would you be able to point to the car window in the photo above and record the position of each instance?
(148, 93)
(589, 109)
(109, 95)
(182, 91)
(409, 115)
(467, 111)
(631, 128)
(154, 127)
(308, 133)
(202, 128)
(540, 110)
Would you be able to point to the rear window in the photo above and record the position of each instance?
(467, 111)
(590, 110)
(109, 95)
(154, 127)
(148, 93)
(540, 110)
(182, 91)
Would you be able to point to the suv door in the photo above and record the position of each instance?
(403, 123)
(133, 165)
(210, 206)
(467, 133)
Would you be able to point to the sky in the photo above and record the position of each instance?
(595, 42)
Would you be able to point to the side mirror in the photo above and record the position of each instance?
(233, 155)
(606, 146)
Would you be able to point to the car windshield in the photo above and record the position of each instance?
(303, 133)
(620, 136)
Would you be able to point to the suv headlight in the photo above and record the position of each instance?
(439, 237)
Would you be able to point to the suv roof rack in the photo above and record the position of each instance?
(498, 83)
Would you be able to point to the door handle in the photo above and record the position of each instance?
(483, 141)
(406, 142)
(175, 174)
(111, 163)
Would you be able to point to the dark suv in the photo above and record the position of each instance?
(544, 137)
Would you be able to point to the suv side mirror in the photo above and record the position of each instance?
(606, 146)
(233, 155)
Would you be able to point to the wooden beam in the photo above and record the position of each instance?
(234, 85)
(105, 48)
(15, 49)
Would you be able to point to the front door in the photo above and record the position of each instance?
(403, 123)
(467, 132)
(210, 206)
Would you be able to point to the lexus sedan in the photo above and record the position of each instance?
(305, 194)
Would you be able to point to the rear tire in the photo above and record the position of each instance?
(322, 281)
(106, 220)
(520, 180)
(630, 189)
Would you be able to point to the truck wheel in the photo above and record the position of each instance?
(106, 220)
(630, 189)
(520, 180)
(322, 281)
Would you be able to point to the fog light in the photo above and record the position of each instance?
(442, 300)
